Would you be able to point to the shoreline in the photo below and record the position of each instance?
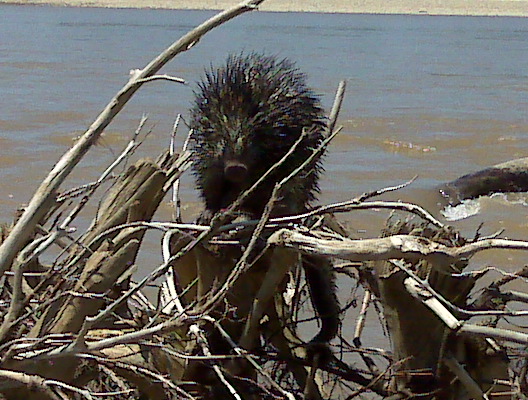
(511, 8)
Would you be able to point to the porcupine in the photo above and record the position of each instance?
(247, 114)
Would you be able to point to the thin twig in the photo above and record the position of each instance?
(172, 299)
(199, 336)
(354, 204)
(15, 379)
(176, 184)
(360, 324)
(250, 359)
(467, 313)
(82, 392)
(139, 370)
(336, 107)
(161, 77)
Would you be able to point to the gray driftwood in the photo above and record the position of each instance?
(104, 266)
(511, 176)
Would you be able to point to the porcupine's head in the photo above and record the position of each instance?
(247, 114)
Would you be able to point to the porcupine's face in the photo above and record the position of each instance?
(247, 115)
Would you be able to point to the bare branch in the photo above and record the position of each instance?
(161, 77)
(15, 379)
(396, 246)
(199, 336)
(336, 108)
(473, 389)
(140, 370)
(46, 193)
(460, 327)
(356, 204)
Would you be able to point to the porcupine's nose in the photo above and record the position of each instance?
(235, 171)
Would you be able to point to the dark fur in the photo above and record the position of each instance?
(250, 112)
(247, 115)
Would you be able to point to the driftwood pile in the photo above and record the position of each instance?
(78, 324)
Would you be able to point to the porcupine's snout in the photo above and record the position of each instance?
(235, 171)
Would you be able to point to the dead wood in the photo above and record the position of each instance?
(420, 338)
(437, 352)
(418, 276)
(511, 176)
(135, 197)
(104, 271)
(44, 198)
(229, 323)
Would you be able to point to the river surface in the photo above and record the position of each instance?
(435, 97)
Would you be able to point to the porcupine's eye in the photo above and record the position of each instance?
(271, 134)
(281, 130)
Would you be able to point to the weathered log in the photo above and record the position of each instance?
(134, 197)
(425, 349)
(433, 356)
(511, 176)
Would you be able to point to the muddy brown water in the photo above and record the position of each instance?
(435, 97)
